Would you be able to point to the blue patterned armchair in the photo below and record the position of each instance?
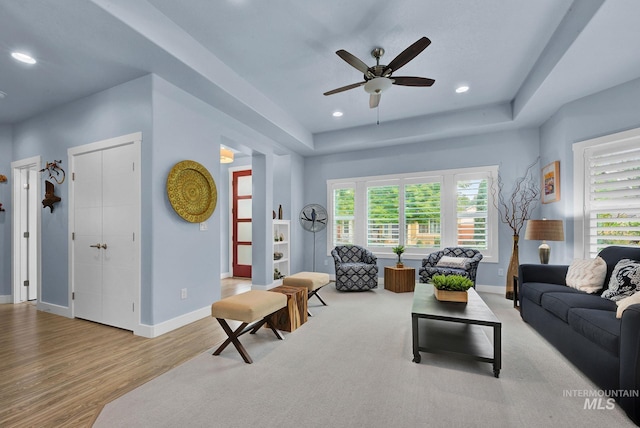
(356, 268)
(451, 261)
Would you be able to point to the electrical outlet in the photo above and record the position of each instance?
(203, 226)
(183, 293)
(500, 272)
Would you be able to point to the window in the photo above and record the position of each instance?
(607, 192)
(472, 212)
(422, 215)
(343, 219)
(422, 211)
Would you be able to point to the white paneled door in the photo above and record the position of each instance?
(105, 235)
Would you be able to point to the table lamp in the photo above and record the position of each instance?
(544, 230)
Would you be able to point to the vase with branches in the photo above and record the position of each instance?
(514, 209)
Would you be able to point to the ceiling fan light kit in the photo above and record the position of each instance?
(378, 78)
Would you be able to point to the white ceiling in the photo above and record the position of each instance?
(267, 63)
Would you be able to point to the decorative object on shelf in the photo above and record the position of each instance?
(274, 215)
(514, 210)
(313, 218)
(451, 288)
(49, 197)
(3, 179)
(54, 168)
(544, 230)
(399, 250)
(277, 274)
(226, 155)
(277, 255)
(551, 183)
(281, 239)
(192, 191)
(280, 212)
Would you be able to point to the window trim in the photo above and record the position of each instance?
(580, 242)
(448, 179)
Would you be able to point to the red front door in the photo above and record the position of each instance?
(241, 213)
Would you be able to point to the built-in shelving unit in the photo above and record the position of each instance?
(281, 236)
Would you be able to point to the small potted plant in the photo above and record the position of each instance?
(451, 288)
(399, 250)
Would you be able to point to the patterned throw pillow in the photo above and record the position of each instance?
(587, 275)
(625, 280)
(452, 262)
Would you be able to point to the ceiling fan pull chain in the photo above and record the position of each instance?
(378, 113)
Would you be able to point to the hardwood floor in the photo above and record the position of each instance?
(60, 372)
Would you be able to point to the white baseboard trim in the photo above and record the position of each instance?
(64, 311)
(6, 299)
(151, 331)
(225, 275)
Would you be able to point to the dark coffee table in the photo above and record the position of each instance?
(455, 328)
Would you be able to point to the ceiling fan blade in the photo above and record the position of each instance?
(374, 100)
(354, 61)
(412, 81)
(345, 88)
(407, 55)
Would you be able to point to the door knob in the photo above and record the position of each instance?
(104, 246)
(95, 246)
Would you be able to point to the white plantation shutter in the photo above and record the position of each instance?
(343, 224)
(383, 212)
(422, 215)
(612, 196)
(472, 212)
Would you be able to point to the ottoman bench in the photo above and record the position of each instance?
(312, 281)
(248, 307)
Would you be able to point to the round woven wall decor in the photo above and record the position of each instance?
(192, 191)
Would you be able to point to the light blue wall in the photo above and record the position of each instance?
(121, 110)
(6, 157)
(182, 255)
(513, 151)
(607, 112)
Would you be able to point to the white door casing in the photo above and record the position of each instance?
(104, 220)
(26, 214)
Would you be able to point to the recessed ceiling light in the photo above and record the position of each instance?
(23, 57)
(337, 114)
(462, 89)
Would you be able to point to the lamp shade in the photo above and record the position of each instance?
(544, 230)
(226, 155)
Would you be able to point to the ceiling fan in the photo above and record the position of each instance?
(379, 78)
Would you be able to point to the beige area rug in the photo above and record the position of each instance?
(350, 366)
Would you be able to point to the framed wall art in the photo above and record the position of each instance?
(551, 183)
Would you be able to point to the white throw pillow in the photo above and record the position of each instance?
(626, 302)
(587, 275)
(452, 262)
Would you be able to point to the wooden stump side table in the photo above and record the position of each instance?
(294, 314)
(399, 280)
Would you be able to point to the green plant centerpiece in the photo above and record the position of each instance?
(399, 250)
(451, 288)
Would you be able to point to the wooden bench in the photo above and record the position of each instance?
(254, 306)
(312, 281)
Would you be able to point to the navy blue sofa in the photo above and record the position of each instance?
(584, 327)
